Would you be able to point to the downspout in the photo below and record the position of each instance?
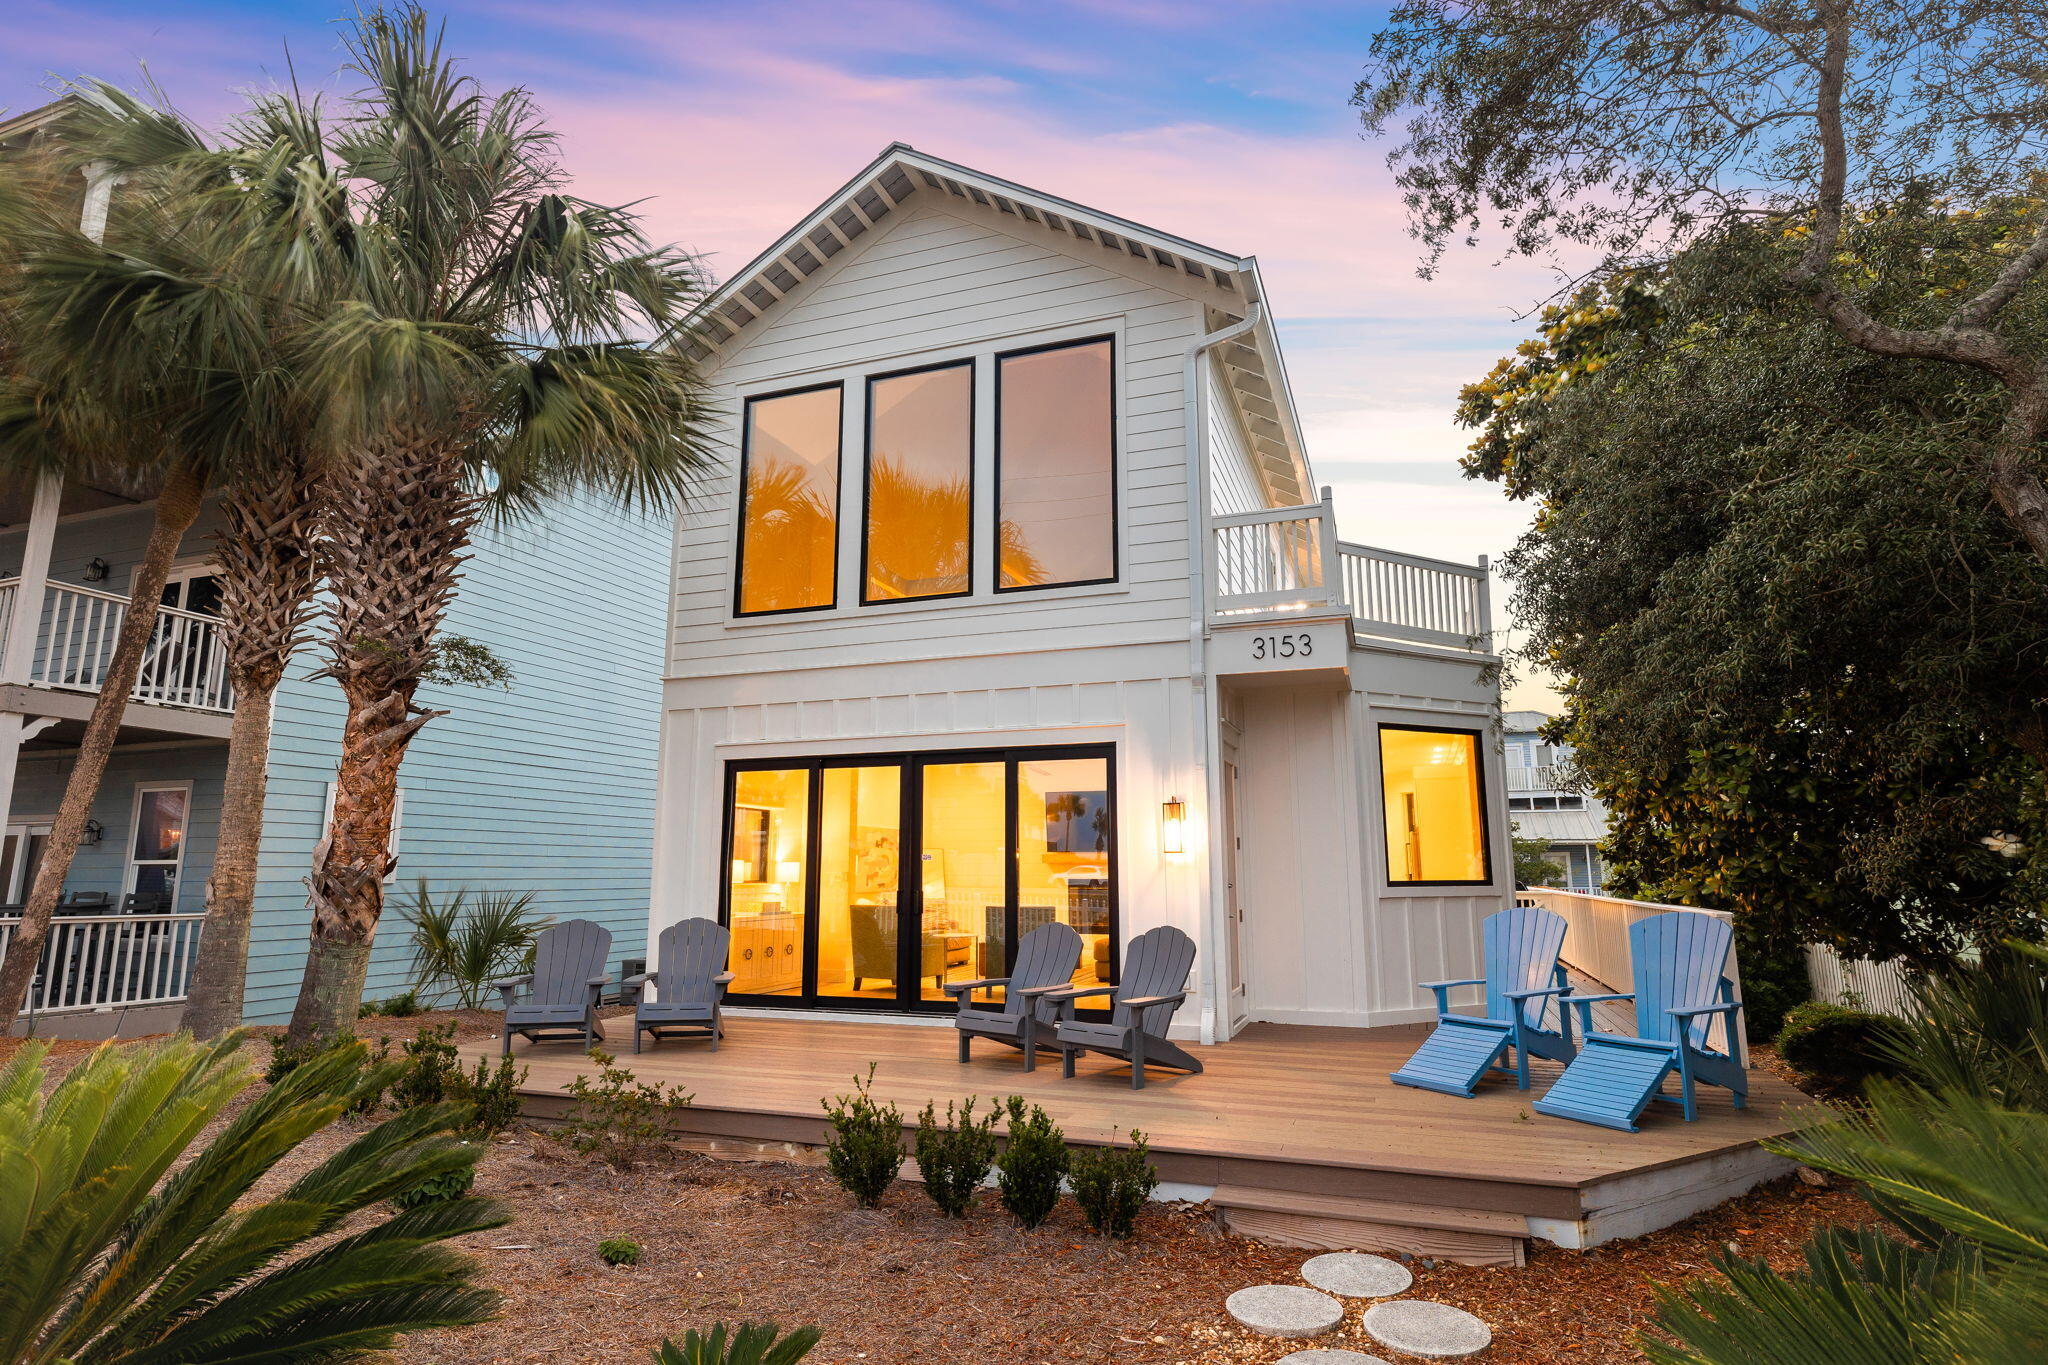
(1208, 715)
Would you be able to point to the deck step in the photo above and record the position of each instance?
(1333, 1222)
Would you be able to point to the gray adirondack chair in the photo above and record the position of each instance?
(1141, 1007)
(1046, 959)
(568, 975)
(690, 978)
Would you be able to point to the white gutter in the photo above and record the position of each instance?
(1208, 715)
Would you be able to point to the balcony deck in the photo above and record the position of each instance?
(1293, 1131)
(58, 667)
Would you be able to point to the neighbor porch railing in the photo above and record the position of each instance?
(1284, 558)
(185, 663)
(1596, 939)
(94, 962)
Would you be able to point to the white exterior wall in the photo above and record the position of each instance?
(1234, 484)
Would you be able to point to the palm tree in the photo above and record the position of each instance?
(80, 396)
(500, 343)
(177, 301)
(109, 1257)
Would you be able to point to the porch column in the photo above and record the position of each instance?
(15, 730)
(25, 620)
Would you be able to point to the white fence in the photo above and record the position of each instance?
(185, 663)
(1596, 940)
(102, 961)
(1858, 982)
(1291, 557)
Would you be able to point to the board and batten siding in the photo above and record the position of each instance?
(936, 283)
(547, 786)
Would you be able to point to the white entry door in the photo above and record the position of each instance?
(20, 856)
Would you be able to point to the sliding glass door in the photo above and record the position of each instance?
(875, 881)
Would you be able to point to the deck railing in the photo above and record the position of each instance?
(1541, 777)
(1290, 557)
(1596, 940)
(185, 663)
(94, 962)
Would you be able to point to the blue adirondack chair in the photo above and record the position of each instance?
(1522, 973)
(1680, 988)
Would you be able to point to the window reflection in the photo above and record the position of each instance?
(1063, 841)
(1436, 830)
(860, 848)
(768, 866)
(1056, 446)
(920, 483)
(789, 517)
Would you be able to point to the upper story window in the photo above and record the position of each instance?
(920, 482)
(1056, 466)
(789, 502)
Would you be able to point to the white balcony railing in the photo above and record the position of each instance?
(1290, 557)
(1541, 777)
(185, 663)
(94, 962)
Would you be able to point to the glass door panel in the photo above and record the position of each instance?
(1063, 842)
(768, 867)
(961, 875)
(860, 854)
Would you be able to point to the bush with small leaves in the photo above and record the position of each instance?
(1837, 1048)
(437, 1189)
(617, 1118)
(756, 1343)
(492, 1093)
(1111, 1184)
(401, 1006)
(619, 1251)
(1032, 1163)
(866, 1150)
(430, 1063)
(955, 1159)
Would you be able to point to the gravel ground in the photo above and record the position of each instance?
(900, 1285)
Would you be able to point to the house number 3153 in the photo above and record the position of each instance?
(1283, 646)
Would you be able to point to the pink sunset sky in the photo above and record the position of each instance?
(1224, 123)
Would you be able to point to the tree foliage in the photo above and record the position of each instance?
(1803, 653)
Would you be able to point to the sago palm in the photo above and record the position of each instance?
(116, 1250)
(499, 342)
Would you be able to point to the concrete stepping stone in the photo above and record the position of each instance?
(1325, 1355)
(1354, 1275)
(1417, 1327)
(1284, 1310)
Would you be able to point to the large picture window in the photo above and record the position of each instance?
(1056, 466)
(879, 879)
(1435, 807)
(920, 476)
(789, 502)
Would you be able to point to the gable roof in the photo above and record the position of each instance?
(1251, 365)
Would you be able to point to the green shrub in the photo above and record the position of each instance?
(1838, 1048)
(401, 1006)
(956, 1158)
(619, 1251)
(756, 1343)
(1774, 979)
(1111, 1184)
(437, 1189)
(372, 1074)
(491, 1092)
(618, 1118)
(1032, 1163)
(430, 1062)
(866, 1150)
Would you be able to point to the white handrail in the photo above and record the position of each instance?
(184, 664)
(94, 962)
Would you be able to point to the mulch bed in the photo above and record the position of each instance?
(901, 1285)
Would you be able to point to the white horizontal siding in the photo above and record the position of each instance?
(1234, 484)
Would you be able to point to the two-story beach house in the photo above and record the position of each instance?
(1545, 802)
(545, 786)
(1017, 601)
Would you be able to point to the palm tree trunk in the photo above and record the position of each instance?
(396, 523)
(177, 505)
(267, 583)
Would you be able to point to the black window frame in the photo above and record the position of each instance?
(1486, 850)
(910, 886)
(739, 553)
(1116, 566)
(867, 474)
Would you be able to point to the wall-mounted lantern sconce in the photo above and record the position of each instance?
(94, 832)
(1173, 826)
(96, 572)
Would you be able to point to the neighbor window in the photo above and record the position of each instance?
(920, 483)
(1056, 461)
(789, 502)
(1435, 812)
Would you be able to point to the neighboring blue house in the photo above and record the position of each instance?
(546, 786)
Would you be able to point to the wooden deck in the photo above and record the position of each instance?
(1288, 1126)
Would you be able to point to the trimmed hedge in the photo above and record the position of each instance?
(1838, 1048)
